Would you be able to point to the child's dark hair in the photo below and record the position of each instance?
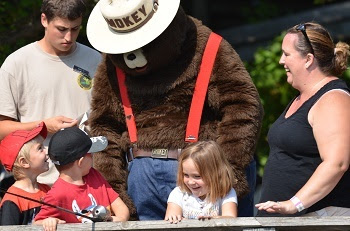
(213, 167)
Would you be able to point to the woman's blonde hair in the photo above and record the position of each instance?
(213, 167)
(24, 152)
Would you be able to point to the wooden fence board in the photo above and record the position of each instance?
(234, 224)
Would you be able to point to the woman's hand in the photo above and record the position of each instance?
(282, 207)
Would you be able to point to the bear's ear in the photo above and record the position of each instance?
(178, 39)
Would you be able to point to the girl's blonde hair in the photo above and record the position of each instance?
(24, 152)
(213, 167)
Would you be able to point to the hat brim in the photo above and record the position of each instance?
(105, 40)
(43, 130)
(99, 143)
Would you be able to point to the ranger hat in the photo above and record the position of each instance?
(121, 26)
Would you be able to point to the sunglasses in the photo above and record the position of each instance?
(302, 27)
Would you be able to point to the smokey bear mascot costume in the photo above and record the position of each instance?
(143, 101)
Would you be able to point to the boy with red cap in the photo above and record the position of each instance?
(22, 153)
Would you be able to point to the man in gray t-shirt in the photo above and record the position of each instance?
(49, 80)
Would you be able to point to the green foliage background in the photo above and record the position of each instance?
(20, 24)
(275, 93)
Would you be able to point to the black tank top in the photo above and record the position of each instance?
(294, 157)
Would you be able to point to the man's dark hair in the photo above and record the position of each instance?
(69, 9)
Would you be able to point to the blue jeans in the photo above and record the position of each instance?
(246, 204)
(150, 182)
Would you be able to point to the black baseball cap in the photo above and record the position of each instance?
(69, 144)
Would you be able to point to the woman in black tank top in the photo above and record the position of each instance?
(307, 169)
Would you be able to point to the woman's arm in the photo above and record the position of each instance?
(329, 119)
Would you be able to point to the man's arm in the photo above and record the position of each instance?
(8, 125)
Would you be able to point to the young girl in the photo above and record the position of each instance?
(22, 153)
(204, 182)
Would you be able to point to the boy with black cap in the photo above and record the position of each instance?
(23, 154)
(79, 187)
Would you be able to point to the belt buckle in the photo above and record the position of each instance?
(159, 153)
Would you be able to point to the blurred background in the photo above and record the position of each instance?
(255, 29)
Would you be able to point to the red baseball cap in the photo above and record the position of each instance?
(13, 142)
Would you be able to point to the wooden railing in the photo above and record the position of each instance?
(242, 223)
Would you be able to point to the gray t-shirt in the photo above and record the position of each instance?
(35, 85)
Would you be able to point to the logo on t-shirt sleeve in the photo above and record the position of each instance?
(84, 80)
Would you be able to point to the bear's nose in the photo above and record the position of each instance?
(131, 56)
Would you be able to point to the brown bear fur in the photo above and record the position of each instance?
(161, 98)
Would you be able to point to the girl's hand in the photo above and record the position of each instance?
(205, 217)
(283, 207)
(173, 218)
(173, 213)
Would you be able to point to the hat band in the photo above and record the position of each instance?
(133, 21)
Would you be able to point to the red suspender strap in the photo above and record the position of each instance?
(129, 116)
(198, 98)
(201, 88)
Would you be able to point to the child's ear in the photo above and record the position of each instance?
(80, 161)
(23, 162)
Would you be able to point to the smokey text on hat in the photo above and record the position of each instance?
(126, 16)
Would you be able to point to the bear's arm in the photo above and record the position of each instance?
(105, 111)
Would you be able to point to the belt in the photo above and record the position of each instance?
(161, 153)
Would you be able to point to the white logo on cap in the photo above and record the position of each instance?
(99, 143)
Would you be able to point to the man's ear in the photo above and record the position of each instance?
(44, 20)
(23, 162)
